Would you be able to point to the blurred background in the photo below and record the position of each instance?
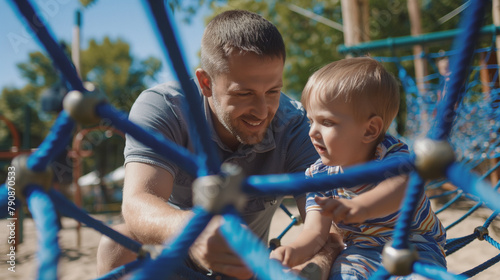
(114, 46)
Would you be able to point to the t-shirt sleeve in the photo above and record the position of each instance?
(394, 147)
(311, 205)
(157, 112)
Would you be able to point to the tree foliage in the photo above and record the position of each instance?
(311, 44)
(108, 64)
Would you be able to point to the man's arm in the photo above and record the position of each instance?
(152, 221)
(145, 194)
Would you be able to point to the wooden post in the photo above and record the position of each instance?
(495, 176)
(416, 29)
(420, 63)
(496, 21)
(355, 15)
(75, 46)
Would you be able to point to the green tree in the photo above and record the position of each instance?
(111, 67)
(108, 64)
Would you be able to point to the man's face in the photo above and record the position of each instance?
(245, 100)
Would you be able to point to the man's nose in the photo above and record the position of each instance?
(260, 107)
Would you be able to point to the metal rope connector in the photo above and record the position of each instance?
(26, 176)
(152, 250)
(481, 232)
(399, 261)
(432, 157)
(82, 107)
(215, 192)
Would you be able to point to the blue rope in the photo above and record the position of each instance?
(45, 218)
(490, 218)
(4, 199)
(166, 29)
(122, 270)
(53, 144)
(492, 242)
(409, 204)
(459, 243)
(482, 267)
(447, 193)
(471, 210)
(432, 271)
(454, 241)
(449, 203)
(176, 251)
(464, 179)
(290, 225)
(169, 150)
(44, 36)
(285, 210)
(470, 24)
(250, 248)
(380, 274)
(70, 210)
(283, 184)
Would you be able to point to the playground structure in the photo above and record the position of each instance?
(421, 166)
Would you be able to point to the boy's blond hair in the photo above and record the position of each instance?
(360, 82)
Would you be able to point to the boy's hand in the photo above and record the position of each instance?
(286, 255)
(342, 210)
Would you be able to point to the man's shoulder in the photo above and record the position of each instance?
(171, 88)
(171, 92)
(289, 111)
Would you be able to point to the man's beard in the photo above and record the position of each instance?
(231, 125)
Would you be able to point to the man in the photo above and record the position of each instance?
(252, 124)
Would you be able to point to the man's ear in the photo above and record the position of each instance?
(374, 127)
(204, 81)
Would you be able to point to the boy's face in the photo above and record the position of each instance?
(335, 133)
(245, 100)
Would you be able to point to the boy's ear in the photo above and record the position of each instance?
(374, 127)
(204, 81)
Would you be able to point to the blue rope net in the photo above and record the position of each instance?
(473, 135)
(250, 249)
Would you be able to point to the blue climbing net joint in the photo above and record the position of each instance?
(215, 192)
(82, 106)
(150, 251)
(432, 157)
(481, 232)
(399, 261)
(25, 176)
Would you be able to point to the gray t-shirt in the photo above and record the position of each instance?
(286, 148)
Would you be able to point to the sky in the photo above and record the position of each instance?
(125, 19)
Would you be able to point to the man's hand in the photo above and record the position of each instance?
(342, 210)
(210, 251)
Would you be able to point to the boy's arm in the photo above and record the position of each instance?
(324, 259)
(310, 240)
(381, 201)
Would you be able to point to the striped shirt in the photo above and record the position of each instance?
(426, 230)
